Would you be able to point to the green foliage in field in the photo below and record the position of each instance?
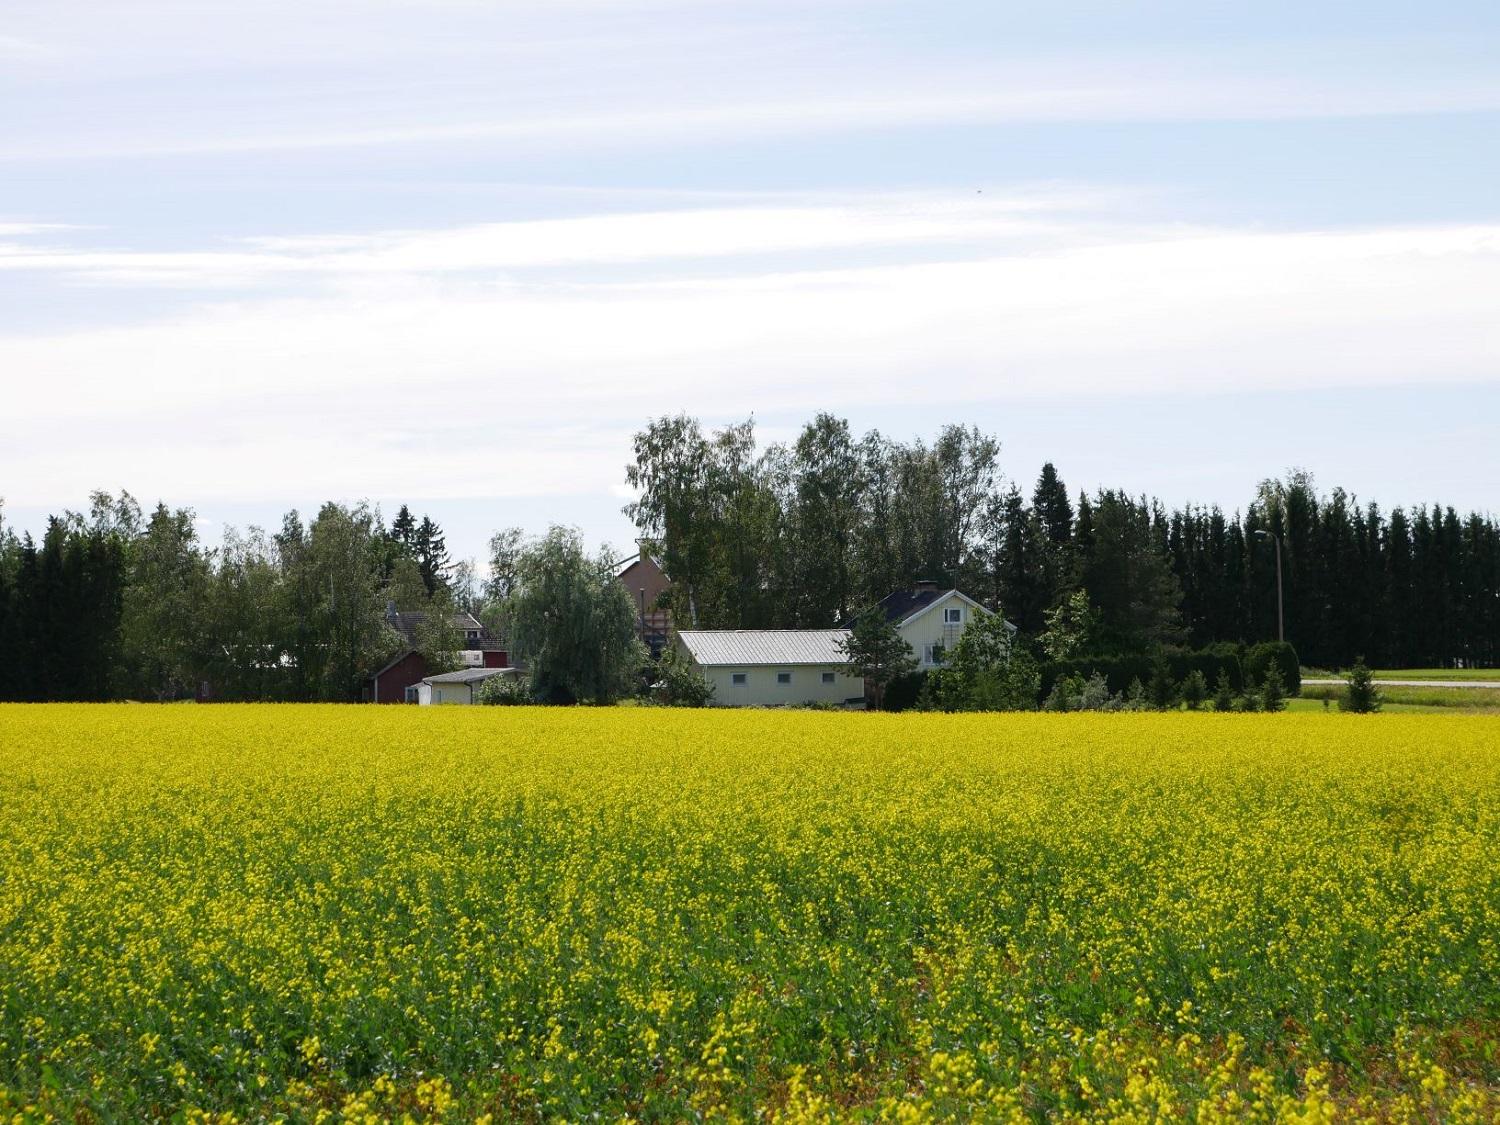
(537, 913)
(1428, 698)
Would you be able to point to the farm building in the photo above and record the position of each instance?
(648, 585)
(397, 681)
(458, 687)
(772, 667)
(787, 667)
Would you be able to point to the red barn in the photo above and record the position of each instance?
(398, 681)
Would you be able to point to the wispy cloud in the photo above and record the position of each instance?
(979, 100)
(402, 374)
(26, 50)
(919, 222)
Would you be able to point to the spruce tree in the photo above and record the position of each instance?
(1223, 693)
(1194, 690)
(1273, 690)
(1361, 697)
(1161, 691)
(1053, 508)
(430, 549)
(404, 529)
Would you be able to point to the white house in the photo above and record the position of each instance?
(772, 667)
(786, 667)
(931, 619)
(458, 687)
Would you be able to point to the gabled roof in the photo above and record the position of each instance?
(392, 662)
(468, 675)
(622, 565)
(904, 606)
(900, 605)
(721, 647)
(410, 621)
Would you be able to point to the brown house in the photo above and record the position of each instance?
(649, 589)
(401, 678)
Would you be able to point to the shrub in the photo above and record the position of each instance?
(1095, 695)
(680, 685)
(505, 691)
(1064, 695)
(982, 677)
(1277, 654)
(1361, 697)
(1194, 690)
(904, 692)
(1212, 663)
(1161, 692)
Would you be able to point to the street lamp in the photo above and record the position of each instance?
(1280, 611)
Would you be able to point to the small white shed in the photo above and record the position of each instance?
(458, 687)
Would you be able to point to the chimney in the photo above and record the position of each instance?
(925, 586)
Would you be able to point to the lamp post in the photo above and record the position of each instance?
(1280, 610)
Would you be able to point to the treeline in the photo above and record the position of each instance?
(114, 604)
(804, 533)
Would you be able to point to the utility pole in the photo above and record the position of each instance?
(1280, 605)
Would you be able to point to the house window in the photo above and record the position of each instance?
(783, 677)
(828, 677)
(411, 693)
(737, 678)
(953, 616)
(933, 654)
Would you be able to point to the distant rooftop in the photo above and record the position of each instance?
(408, 622)
(710, 647)
(469, 675)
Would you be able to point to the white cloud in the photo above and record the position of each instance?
(17, 49)
(405, 379)
(219, 79)
(15, 230)
(605, 124)
(921, 221)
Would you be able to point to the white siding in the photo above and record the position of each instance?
(931, 628)
(450, 693)
(762, 687)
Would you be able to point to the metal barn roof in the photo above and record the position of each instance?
(711, 647)
(469, 675)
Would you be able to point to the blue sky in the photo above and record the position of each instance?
(454, 253)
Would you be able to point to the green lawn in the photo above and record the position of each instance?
(1438, 674)
(1416, 699)
(1483, 675)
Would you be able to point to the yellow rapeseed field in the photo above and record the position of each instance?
(343, 913)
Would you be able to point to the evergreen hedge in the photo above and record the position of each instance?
(1283, 656)
(1120, 671)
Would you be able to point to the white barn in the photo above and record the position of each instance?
(772, 667)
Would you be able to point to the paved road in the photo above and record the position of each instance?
(1492, 684)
